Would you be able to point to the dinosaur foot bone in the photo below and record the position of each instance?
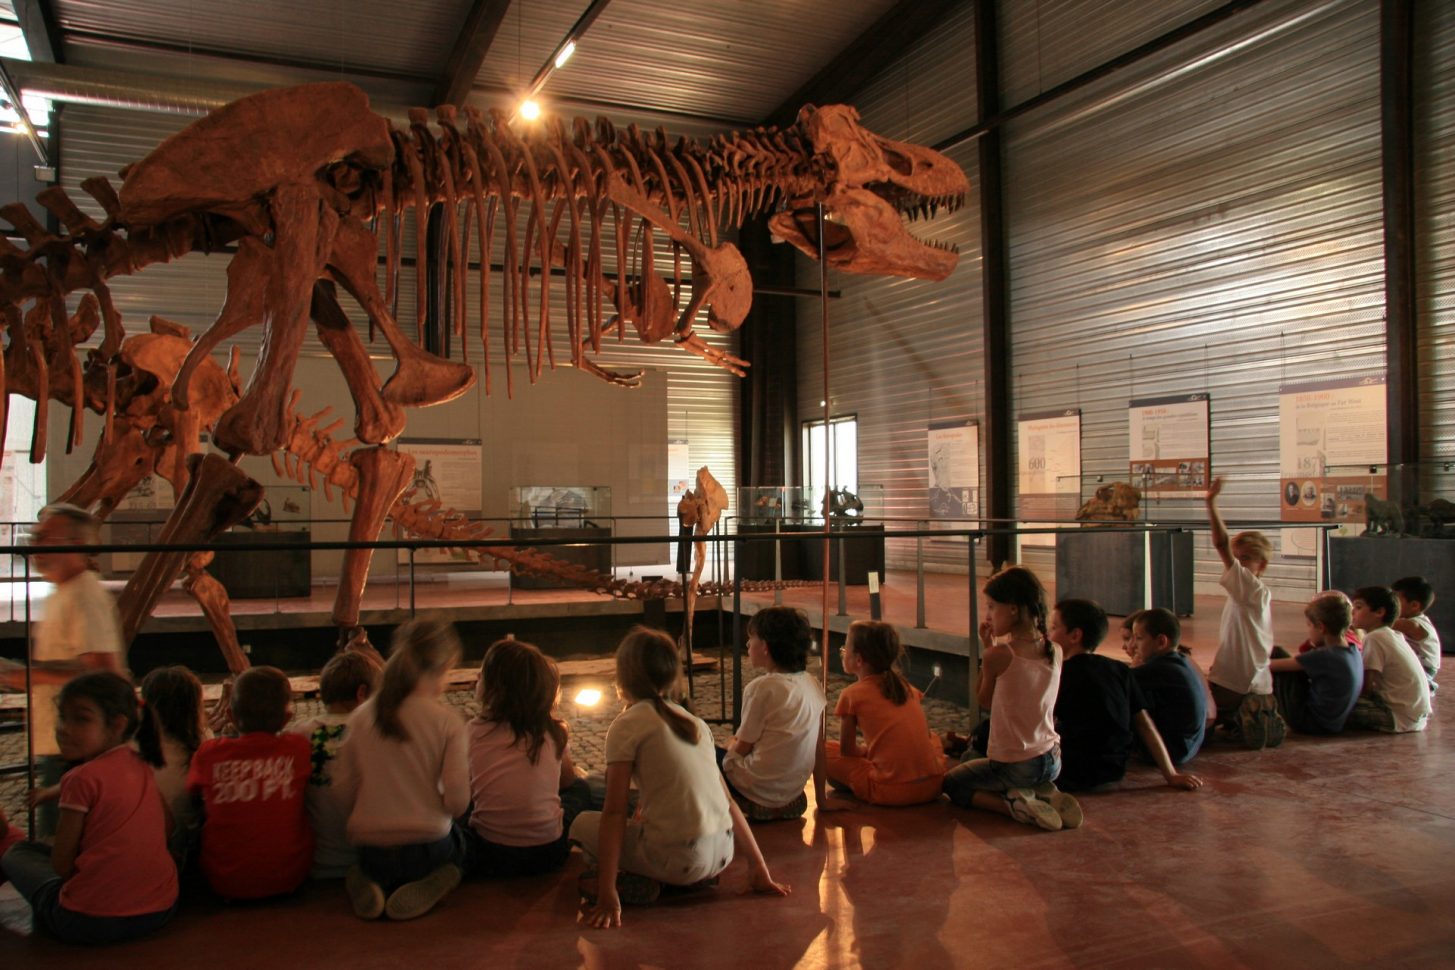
(383, 476)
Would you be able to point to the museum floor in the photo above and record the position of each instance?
(1324, 852)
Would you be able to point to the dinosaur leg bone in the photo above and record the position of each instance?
(217, 496)
(212, 597)
(376, 420)
(383, 476)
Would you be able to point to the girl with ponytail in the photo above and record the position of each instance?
(900, 761)
(685, 827)
(1020, 671)
(405, 761)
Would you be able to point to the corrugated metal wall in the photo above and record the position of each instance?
(99, 141)
(1435, 237)
(1213, 228)
(906, 353)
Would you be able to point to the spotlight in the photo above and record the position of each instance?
(588, 697)
(565, 54)
(529, 109)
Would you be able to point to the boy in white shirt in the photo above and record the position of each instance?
(1396, 696)
(1415, 596)
(1242, 686)
(780, 742)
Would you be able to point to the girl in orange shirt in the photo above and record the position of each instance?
(900, 762)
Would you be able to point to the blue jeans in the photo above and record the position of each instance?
(391, 866)
(982, 774)
(28, 864)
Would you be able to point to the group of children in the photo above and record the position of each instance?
(393, 791)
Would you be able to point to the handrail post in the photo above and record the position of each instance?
(843, 578)
(919, 576)
(972, 654)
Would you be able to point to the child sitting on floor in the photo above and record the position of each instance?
(405, 759)
(1099, 707)
(900, 762)
(1414, 597)
(255, 836)
(1242, 687)
(1351, 636)
(1019, 673)
(1396, 695)
(108, 878)
(346, 681)
(685, 827)
(1172, 688)
(779, 744)
(523, 785)
(1129, 645)
(173, 727)
(1317, 690)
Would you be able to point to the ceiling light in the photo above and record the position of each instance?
(565, 54)
(529, 109)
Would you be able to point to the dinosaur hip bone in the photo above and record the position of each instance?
(218, 496)
(382, 477)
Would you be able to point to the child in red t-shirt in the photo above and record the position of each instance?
(900, 762)
(256, 841)
(108, 878)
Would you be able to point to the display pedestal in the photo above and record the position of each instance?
(1356, 561)
(597, 557)
(1113, 568)
(755, 559)
(264, 574)
(863, 553)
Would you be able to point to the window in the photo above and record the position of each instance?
(831, 460)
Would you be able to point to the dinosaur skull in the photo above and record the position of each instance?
(872, 181)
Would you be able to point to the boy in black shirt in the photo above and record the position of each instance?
(1099, 706)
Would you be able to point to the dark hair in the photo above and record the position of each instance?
(173, 697)
(646, 666)
(1086, 616)
(878, 646)
(787, 634)
(420, 646)
(260, 698)
(1018, 586)
(518, 685)
(1131, 619)
(1379, 599)
(1158, 622)
(1415, 589)
(110, 692)
(1331, 611)
(345, 673)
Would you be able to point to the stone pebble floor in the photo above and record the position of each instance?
(588, 726)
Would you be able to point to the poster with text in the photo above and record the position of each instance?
(1331, 453)
(954, 472)
(1169, 446)
(446, 469)
(1049, 449)
(680, 474)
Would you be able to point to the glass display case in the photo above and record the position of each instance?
(794, 514)
(580, 512)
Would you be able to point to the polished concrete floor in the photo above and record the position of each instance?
(1322, 853)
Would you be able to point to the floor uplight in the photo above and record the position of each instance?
(588, 697)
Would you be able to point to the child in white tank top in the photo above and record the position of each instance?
(1019, 675)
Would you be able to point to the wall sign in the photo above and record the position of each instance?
(1049, 459)
(1168, 446)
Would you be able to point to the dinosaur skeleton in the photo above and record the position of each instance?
(303, 181)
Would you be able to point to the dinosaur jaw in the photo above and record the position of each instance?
(864, 233)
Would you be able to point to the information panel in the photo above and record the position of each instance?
(1050, 470)
(447, 469)
(954, 469)
(1169, 446)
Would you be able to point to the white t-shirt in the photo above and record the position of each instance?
(404, 792)
(681, 794)
(328, 804)
(1245, 636)
(80, 617)
(1403, 685)
(781, 718)
(1429, 647)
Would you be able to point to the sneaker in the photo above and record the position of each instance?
(1067, 807)
(1026, 807)
(632, 888)
(414, 899)
(754, 812)
(366, 896)
(702, 885)
(1275, 727)
(1252, 722)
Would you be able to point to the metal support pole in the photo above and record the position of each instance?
(972, 655)
(843, 580)
(29, 702)
(919, 576)
(412, 607)
(737, 634)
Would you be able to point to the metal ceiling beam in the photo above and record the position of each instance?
(38, 25)
(463, 64)
(875, 49)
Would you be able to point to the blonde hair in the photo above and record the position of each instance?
(419, 648)
(1254, 542)
(1332, 611)
(646, 666)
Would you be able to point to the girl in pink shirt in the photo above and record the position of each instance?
(524, 788)
(109, 877)
(1020, 670)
